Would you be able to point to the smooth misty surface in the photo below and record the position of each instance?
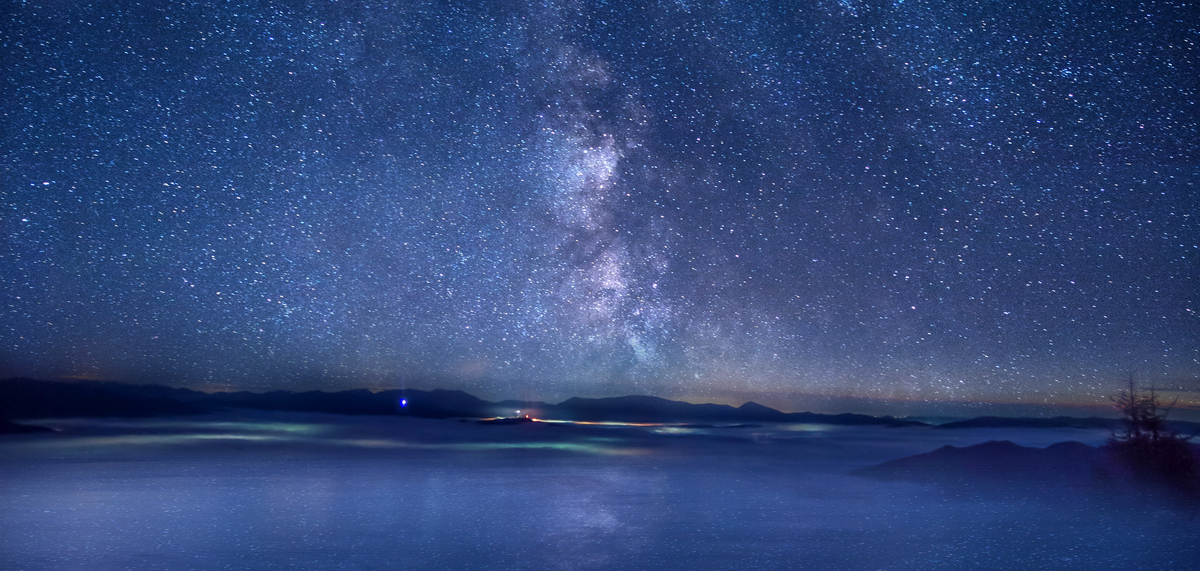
(322, 492)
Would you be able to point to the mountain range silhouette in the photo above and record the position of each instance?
(22, 398)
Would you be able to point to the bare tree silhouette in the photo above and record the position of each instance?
(1145, 443)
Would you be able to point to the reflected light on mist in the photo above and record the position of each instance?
(92, 436)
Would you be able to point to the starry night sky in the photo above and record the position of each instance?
(929, 201)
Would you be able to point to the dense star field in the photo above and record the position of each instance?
(926, 201)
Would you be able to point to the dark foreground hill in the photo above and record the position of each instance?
(29, 398)
(996, 460)
(1064, 468)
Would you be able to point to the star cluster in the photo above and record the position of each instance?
(972, 201)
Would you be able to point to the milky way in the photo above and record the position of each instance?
(971, 201)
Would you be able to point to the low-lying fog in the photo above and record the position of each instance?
(305, 491)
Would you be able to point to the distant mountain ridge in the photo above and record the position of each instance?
(22, 398)
(654, 409)
(31, 398)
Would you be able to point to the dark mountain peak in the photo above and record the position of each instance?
(1070, 446)
(758, 412)
(752, 406)
(453, 393)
